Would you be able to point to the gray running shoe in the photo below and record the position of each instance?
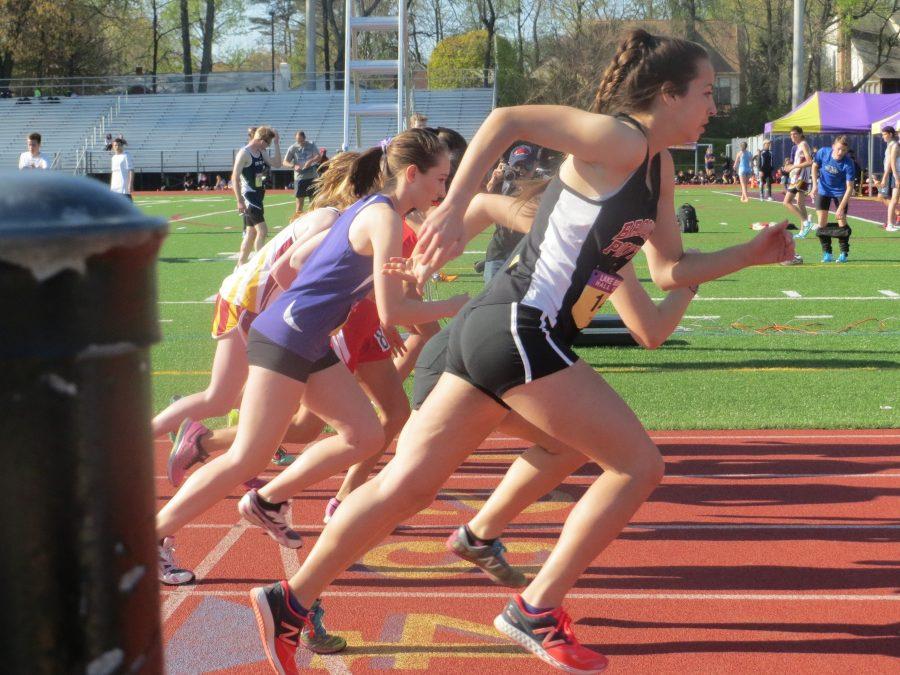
(169, 573)
(489, 558)
(318, 639)
(273, 522)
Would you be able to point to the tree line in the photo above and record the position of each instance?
(547, 50)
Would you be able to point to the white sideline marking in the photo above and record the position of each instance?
(701, 317)
(219, 213)
(474, 252)
(792, 294)
(475, 595)
(775, 203)
(890, 294)
(187, 302)
(814, 316)
(166, 320)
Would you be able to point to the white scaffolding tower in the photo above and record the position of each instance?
(355, 68)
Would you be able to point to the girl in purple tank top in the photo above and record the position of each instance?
(288, 348)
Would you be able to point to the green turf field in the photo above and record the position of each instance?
(807, 346)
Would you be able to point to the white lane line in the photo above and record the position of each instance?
(890, 294)
(206, 565)
(814, 316)
(579, 595)
(792, 294)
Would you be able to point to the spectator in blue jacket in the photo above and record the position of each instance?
(833, 174)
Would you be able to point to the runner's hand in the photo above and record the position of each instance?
(401, 268)
(394, 340)
(410, 270)
(441, 237)
(773, 244)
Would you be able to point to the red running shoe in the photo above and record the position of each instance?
(279, 626)
(549, 636)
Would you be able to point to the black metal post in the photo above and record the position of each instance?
(77, 499)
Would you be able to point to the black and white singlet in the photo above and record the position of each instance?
(522, 326)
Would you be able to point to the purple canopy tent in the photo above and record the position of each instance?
(831, 113)
(824, 112)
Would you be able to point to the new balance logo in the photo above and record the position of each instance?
(290, 633)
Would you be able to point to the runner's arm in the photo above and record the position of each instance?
(651, 324)
(394, 307)
(585, 135)
(671, 267)
(240, 161)
(317, 222)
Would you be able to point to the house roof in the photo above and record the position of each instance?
(866, 45)
(720, 38)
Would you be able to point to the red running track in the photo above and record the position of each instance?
(760, 552)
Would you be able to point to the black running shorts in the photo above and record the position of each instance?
(253, 216)
(498, 347)
(303, 188)
(823, 203)
(430, 366)
(262, 352)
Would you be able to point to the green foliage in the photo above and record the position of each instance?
(458, 61)
(744, 120)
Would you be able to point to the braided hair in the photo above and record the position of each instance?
(643, 66)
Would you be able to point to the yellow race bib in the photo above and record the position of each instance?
(598, 288)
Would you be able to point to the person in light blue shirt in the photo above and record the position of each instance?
(833, 175)
(744, 170)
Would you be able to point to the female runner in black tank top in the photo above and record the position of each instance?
(562, 274)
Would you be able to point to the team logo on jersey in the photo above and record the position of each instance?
(621, 247)
(288, 317)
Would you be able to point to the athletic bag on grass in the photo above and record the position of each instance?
(687, 218)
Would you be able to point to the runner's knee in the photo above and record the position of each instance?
(645, 464)
(365, 439)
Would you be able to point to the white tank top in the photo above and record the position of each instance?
(887, 155)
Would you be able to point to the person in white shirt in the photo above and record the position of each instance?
(122, 178)
(32, 158)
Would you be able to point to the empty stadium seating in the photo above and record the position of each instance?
(182, 132)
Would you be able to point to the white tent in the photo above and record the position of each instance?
(892, 120)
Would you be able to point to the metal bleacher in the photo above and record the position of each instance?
(62, 123)
(169, 133)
